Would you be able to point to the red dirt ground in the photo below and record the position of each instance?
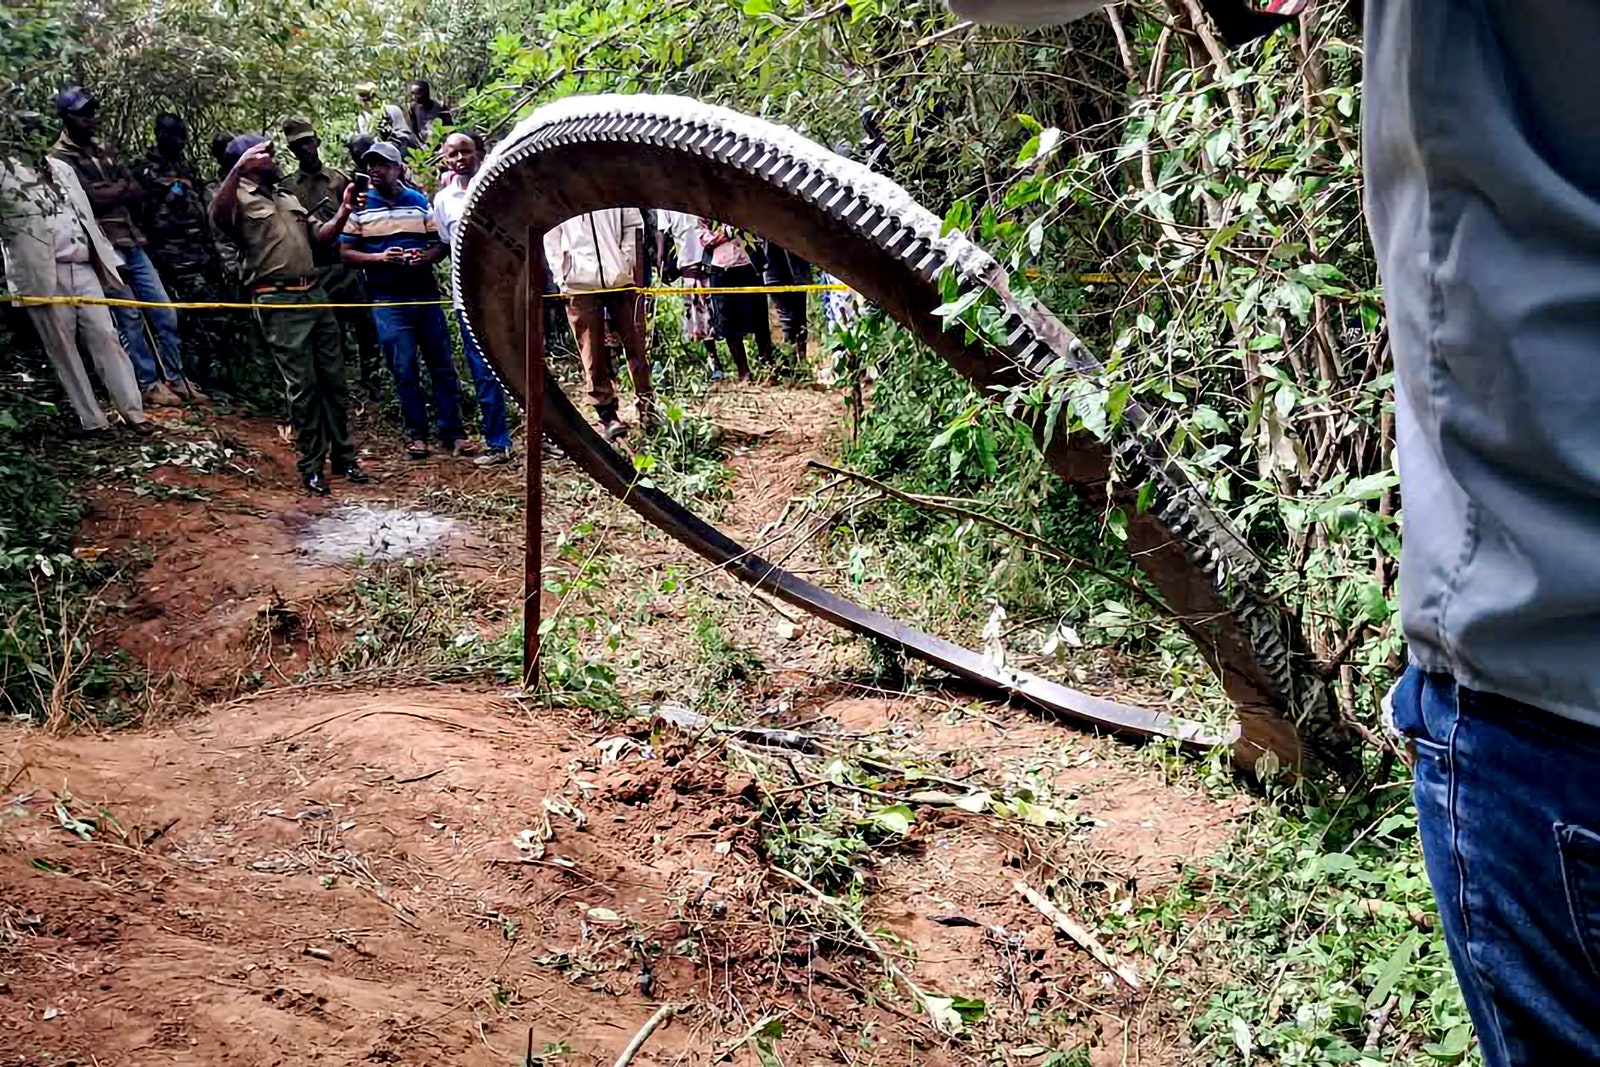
(311, 876)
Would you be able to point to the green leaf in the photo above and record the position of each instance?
(956, 308)
(1029, 123)
(766, 1051)
(1332, 863)
(896, 818)
(1030, 148)
(1371, 486)
(1454, 1045)
(1369, 594)
(959, 217)
(1037, 814)
(1392, 972)
(970, 1010)
(1242, 1039)
(1147, 496)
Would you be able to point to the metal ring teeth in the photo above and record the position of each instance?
(819, 178)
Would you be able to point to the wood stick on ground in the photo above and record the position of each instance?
(1083, 937)
(1380, 1023)
(890, 968)
(649, 1027)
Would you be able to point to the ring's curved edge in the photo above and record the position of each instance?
(783, 169)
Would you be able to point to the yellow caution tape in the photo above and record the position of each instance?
(643, 290)
(203, 305)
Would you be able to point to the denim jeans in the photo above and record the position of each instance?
(491, 398)
(404, 332)
(1508, 806)
(143, 283)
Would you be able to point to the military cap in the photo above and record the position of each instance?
(298, 129)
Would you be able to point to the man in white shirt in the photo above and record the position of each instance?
(52, 246)
(590, 255)
(463, 155)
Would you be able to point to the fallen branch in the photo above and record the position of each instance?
(890, 968)
(1380, 1023)
(650, 1026)
(1083, 937)
(694, 722)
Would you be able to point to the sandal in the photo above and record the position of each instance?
(416, 448)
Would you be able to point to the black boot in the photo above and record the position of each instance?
(611, 427)
(352, 473)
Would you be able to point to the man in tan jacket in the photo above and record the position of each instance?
(52, 246)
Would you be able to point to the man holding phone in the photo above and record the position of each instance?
(392, 237)
(275, 236)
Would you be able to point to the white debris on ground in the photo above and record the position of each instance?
(374, 532)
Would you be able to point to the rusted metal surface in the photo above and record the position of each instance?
(533, 275)
(585, 154)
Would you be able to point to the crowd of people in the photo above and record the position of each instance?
(340, 269)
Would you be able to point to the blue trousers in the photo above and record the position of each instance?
(143, 283)
(405, 333)
(1508, 805)
(491, 398)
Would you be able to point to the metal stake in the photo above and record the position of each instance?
(533, 446)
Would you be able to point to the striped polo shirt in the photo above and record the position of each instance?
(404, 222)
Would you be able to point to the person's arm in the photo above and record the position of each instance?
(329, 231)
(436, 249)
(132, 191)
(226, 200)
(351, 254)
(108, 192)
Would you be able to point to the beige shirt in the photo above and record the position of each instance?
(274, 234)
(71, 246)
(595, 251)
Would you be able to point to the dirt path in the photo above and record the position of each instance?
(441, 874)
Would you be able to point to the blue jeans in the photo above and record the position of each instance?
(143, 283)
(402, 332)
(1508, 805)
(491, 398)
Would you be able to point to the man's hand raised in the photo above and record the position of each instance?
(258, 155)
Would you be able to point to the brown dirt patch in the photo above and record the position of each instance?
(229, 592)
(400, 876)
(334, 878)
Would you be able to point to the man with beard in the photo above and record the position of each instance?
(275, 235)
(320, 190)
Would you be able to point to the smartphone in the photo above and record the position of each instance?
(361, 182)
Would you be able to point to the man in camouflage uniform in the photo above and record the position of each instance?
(173, 215)
(320, 190)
